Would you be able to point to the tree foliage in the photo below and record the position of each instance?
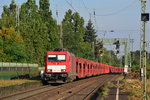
(37, 32)
(90, 34)
(9, 15)
(73, 33)
(11, 46)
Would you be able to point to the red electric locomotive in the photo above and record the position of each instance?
(60, 65)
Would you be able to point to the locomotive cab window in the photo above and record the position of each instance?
(56, 57)
(52, 58)
(61, 57)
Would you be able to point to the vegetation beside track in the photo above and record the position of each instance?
(7, 83)
(8, 87)
(103, 92)
(133, 87)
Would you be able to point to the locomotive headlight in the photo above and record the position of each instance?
(50, 70)
(63, 70)
(64, 75)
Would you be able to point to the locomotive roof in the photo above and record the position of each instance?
(63, 51)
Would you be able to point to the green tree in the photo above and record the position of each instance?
(28, 28)
(52, 32)
(90, 34)
(39, 30)
(11, 46)
(44, 9)
(73, 33)
(9, 16)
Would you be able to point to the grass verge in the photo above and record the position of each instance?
(102, 93)
(134, 88)
(8, 87)
(7, 83)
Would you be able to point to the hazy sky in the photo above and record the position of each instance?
(122, 16)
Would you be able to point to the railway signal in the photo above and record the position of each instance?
(117, 43)
(117, 52)
(145, 17)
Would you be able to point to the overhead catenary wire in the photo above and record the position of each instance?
(70, 5)
(107, 14)
(85, 7)
(119, 11)
(100, 8)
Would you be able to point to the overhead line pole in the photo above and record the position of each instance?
(132, 54)
(61, 30)
(17, 17)
(61, 35)
(129, 51)
(144, 19)
(143, 10)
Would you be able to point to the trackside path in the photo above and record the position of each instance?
(116, 94)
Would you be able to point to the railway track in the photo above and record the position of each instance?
(81, 90)
(20, 95)
(87, 92)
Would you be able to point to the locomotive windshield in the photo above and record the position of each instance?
(56, 57)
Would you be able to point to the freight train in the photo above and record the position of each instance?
(63, 65)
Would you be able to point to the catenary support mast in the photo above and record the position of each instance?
(144, 19)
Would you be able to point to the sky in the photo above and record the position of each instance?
(121, 16)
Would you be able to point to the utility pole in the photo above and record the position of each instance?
(17, 16)
(61, 35)
(142, 31)
(147, 50)
(144, 19)
(129, 51)
(61, 30)
(93, 49)
(132, 53)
